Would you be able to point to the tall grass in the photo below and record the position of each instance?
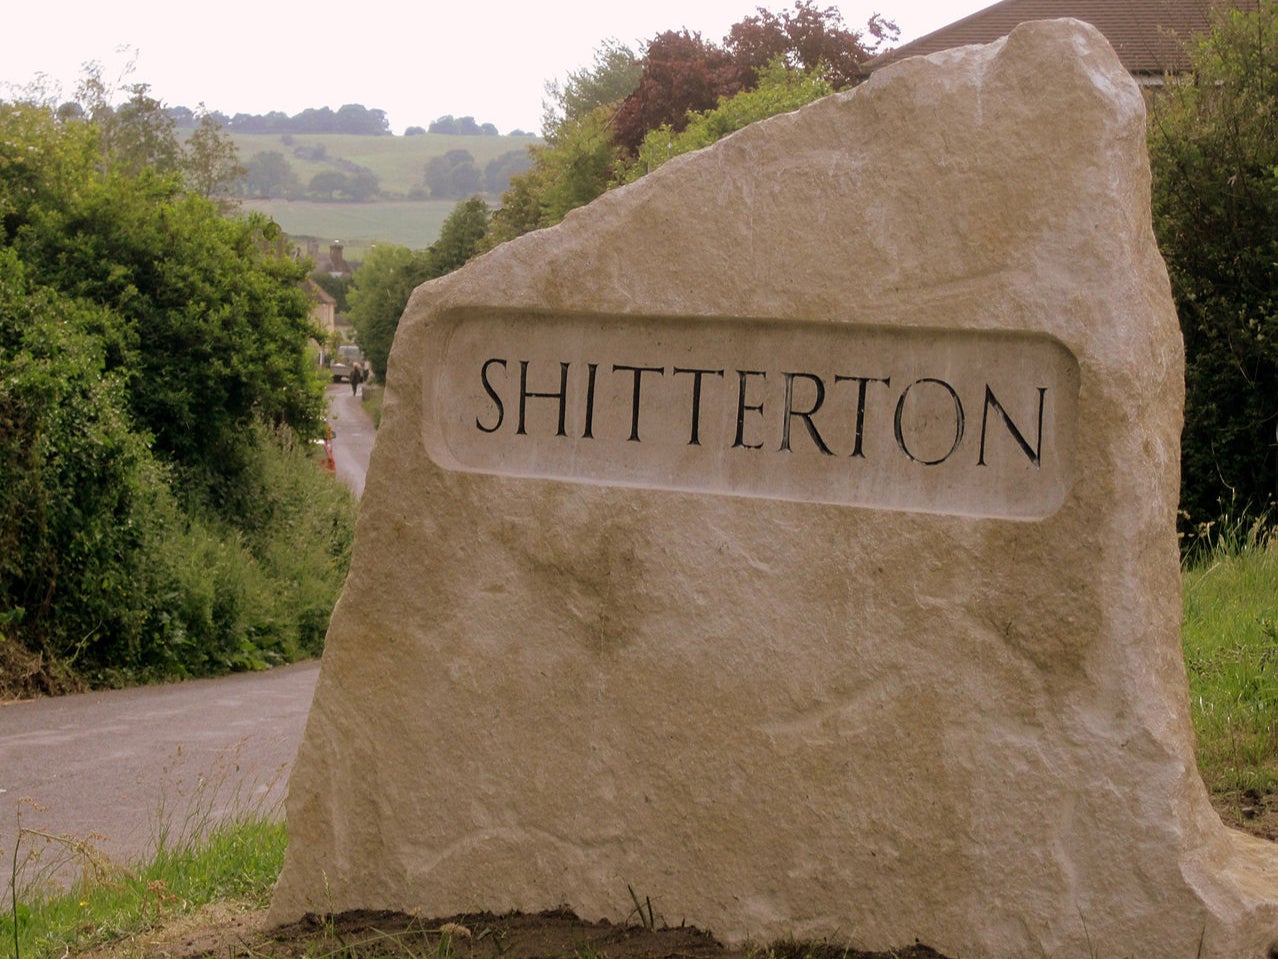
(199, 858)
(238, 860)
(1230, 637)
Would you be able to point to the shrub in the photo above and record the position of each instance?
(1214, 151)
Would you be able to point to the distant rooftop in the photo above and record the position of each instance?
(1147, 35)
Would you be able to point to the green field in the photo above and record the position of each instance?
(411, 223)
(399, 163)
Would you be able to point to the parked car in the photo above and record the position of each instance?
(343, 360)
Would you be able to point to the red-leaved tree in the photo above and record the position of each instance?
(681, 72)
(807, 38)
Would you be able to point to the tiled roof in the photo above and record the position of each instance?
(1147, 35)
(318, 293)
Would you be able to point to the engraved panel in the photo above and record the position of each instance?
(971, 423)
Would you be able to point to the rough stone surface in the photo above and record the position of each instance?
(772, 710)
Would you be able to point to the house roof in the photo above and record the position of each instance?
(318, 293)
(1147, 35)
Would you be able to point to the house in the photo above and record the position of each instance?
(1147, 35)
(334, 264)
(324, 307)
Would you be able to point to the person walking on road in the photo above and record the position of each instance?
(357, 377)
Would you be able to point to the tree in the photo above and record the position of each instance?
(208, 321)
(452, 175)
(77, 483)
(269, 174)
(499, 170)
(780, 89)
(327, 183)
(140, 134)
(1213, 139)
(568, 172)
(211, 163)
(153, 369)
(377, 297)
(611, 78)
(681, 74)
(461, 126)
(355, 118)
(459, 237)
(362, 186)
(808, 39)
(337, 287)
(382, 286)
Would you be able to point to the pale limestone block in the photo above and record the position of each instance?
(870, 628)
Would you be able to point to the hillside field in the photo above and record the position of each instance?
(399, 162)
(411, 223)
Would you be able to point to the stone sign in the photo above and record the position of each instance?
(789, 538)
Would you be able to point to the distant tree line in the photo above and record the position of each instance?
(461, 126)
(352, 118)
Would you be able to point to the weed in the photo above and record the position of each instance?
(199, 858)
(642, 909)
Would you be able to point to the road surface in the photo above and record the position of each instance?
(352, 435)
(115, 767)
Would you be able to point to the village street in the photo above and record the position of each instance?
(116, 767)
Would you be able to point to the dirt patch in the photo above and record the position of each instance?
(219, 933)
(1250, 811)
(26, 675)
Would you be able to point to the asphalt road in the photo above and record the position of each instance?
(117, 767)
(352, 435)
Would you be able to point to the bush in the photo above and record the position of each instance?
(250, 594)
(77, 483)
(160, 515)
(1214, 152)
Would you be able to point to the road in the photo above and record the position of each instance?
(352, 436)
(115, 767)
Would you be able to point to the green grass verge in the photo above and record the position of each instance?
(239, 861)
(1230, 637)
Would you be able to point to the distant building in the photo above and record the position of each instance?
(334, 264)
(1147, 35)
(324, 310)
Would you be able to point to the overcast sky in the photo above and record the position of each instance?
(488, 59)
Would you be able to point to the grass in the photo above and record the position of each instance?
(373, 396)
(1231, 648)
(1230, 639)
(412, 223)
(199, 859)
(399, 161)
(400, 165)
(238, 860)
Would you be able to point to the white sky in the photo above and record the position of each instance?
(489, 59)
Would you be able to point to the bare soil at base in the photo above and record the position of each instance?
(228, 930)
(222, 932)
